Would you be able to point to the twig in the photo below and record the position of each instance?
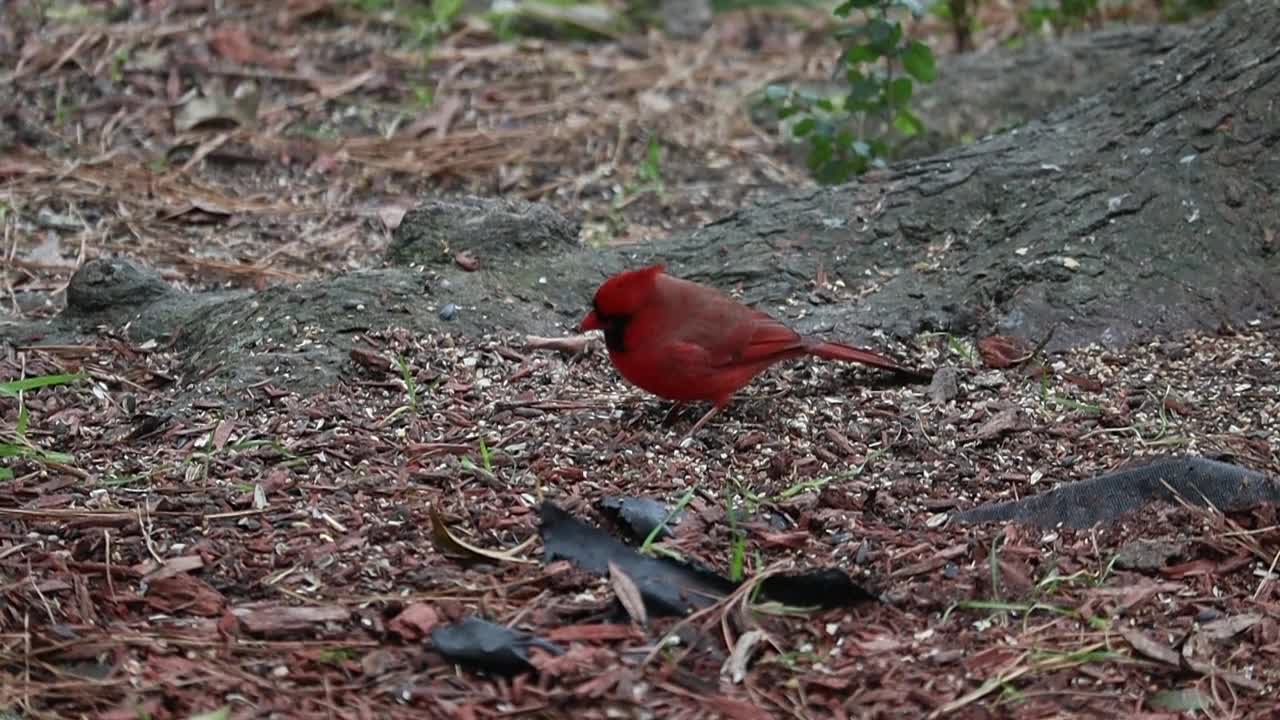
(39, 594)
(1040, 346)
(111, 585)
(740, 594)
(26, 661)
(982, 690)
(1271, 573)
(145, 525)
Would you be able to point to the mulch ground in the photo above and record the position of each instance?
(284, 560)
(292, 560)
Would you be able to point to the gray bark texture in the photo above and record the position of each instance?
(1142, 210)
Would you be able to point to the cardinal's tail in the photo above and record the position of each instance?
(848, 353)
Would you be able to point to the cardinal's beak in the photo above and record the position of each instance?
(590, 322)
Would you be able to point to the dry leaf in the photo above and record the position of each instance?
(449, 544)
(1002, 351)
(216, 111)
(1230, 626)
(222, 433)
(628, 594)
(735, 666)
(235, 44)
(1000, 423)
(391, 214)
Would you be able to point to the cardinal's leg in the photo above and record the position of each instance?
(676, 407)
(701, 421)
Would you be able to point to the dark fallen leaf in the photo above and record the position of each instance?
(668, 587)
(822, 588)
(672, 588)
(638, 516)
(483, 645)
(1193, 479)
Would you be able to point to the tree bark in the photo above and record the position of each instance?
(1146, 209)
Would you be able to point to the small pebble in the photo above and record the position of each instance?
(448, 312)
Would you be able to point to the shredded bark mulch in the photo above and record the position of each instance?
(295, 559)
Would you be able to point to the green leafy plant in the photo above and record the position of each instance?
(429, 26)
(848, 135)
(410, 390)
(648, 178)
(423, 22)
(1183, 10)
(338, 655)
(486, 458)
(965, 349)
(1060, 15)
(484, 470)
(817, 484)
(647, 546)
(650, 169)
(960, 15)
(423, 96)
(119, 59)
(738, 550)
(1049, 397)
(16, 444)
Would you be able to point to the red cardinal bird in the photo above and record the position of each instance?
(686, 342)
